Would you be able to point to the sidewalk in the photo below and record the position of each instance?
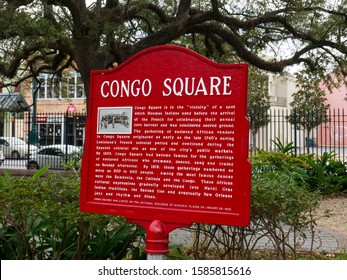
(329, 241)
(324, 241)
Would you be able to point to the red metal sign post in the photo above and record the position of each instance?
(167, 143)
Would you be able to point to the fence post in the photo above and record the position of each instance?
(28, 138)
(66, 133)
(295, 136)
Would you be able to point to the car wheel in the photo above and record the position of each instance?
(33, 165)
(15, 155)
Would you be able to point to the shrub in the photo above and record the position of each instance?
(282, 205)
(320, 173)
(278, 161)
(326, 174)
(40, 219)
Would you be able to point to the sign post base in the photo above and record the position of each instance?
(157, 237)
(152, 257)
(157, 241)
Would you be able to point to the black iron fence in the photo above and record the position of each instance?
(64, 133)
(309, 133)
(22, 135)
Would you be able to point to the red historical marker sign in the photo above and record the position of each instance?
(167, 140)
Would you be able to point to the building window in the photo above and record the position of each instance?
(69, 86)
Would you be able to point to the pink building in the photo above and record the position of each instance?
(334, 133)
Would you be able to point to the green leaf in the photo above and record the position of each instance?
(39, 173)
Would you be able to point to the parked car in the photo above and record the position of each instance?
(55, 156)
(2, 158)
(14, 147)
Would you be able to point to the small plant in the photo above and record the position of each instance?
(73, 161)
(343, 256)
(285, 149)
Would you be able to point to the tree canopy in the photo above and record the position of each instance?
(52, 35)
(309, 105)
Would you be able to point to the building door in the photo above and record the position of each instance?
(50, 133)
